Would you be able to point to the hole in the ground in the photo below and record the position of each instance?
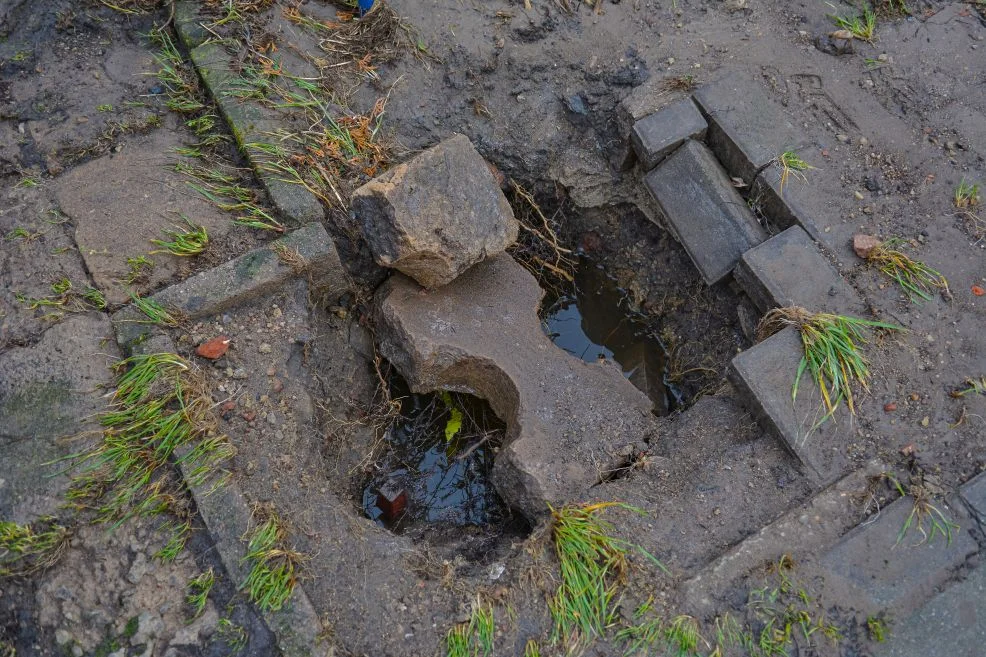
(592, 319)
(433, 480)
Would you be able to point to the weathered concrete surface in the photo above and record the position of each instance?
(790, 269)
(567, 421)
(787, 205)
(655, 136)
(704, 210)
(973, 494)
(746, 130)
(47, 392)
(814, 525)
(898, 576)
(436, 215)
(764, 375)
(121, 201)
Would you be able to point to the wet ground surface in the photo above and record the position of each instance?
(898, 124)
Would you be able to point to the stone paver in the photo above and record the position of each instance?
(655, 136)
(746, 129)
(973, 494)
(764, 375)
(437, 214)
(812, 526)
(704, 210)
(790, 269)
(786, 204)
(892, 575)
(567, 421)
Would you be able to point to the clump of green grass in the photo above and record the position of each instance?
(593, 567)
(916, 278)
(28, 182)
(21, 233)
(532, 649)
(925, 517)
(876, 628)
(974, 386)
(233, 635)
(475, 637)
(199, 588)
(154, 311)
(95, 298)
(179, 82)
(966, 195)
(184, 242)
(861, 26)
(833, 357)
(30, 548)
(894, 7)
(273, 566)
(160, 414)
(138, 268)
(791, 164)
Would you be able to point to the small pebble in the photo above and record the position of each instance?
(271, 371)
(925, 421)
(264, 348)
(890, 407)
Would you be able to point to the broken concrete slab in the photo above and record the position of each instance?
(704, 210)
(814, 525)
(764, 375)
(436, 215)
(655, 136)
(307, 252)
(49, 391)
(121, 201)
(790, 269)
(894, 572)
(568, 421)
(746, 129)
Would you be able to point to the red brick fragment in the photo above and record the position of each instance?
(214, 348)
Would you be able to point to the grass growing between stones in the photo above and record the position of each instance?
(680, 637)
(832, 352)
(154, 311)
(30, 548)
(594, 566)
(925, 517)
(199, 588)
(974, 387)
(160, 414)
(475, 637)
(184, 242)
(860, 26)
(916, 278)
(273, 566)
(966, 195)
(791, 164)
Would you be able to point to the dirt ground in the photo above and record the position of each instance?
(86, 148)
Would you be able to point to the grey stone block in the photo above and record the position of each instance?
(784, 205)
(789, 269)
(897, 575)
(703, 210)
(655, 136)
(973, 493)
(746, 129)
(764, 375)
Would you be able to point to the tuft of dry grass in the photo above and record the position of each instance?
(916, 278)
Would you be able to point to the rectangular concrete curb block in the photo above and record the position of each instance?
(790, 269)
(891, 574)
(746, 130)
(257, 273)
(815, 525)
(764, 375)
(707, 214)
(973, 493)
(655, 136)
(188, 23)
(780, 204)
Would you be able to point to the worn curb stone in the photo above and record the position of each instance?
(783, 205)
(704, 210)
(655, 136)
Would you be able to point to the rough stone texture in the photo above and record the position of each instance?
(786, 205)
(249, 124)
(973, 493)
(46, 392)
(764, 375)
(892, 575)
(567, 421)
(955, 617)
(790, 269)
(815, 525)
(436, 215)
(121, 201)
(746, 129)
(655, 136)
(703, 210)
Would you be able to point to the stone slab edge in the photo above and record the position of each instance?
(810, 527)
(248, 276)
(245, 121)
(224, 510)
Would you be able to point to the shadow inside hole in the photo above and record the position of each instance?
(592, 320)
(433, 481)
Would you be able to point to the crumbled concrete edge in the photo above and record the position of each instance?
(810, 527)
(308, 252)
(226, 514)
(246, 121)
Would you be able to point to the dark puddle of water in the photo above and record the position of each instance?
(426, 480)
(592, 320)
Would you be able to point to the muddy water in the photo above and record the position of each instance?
(592, 320)
(429, 477)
